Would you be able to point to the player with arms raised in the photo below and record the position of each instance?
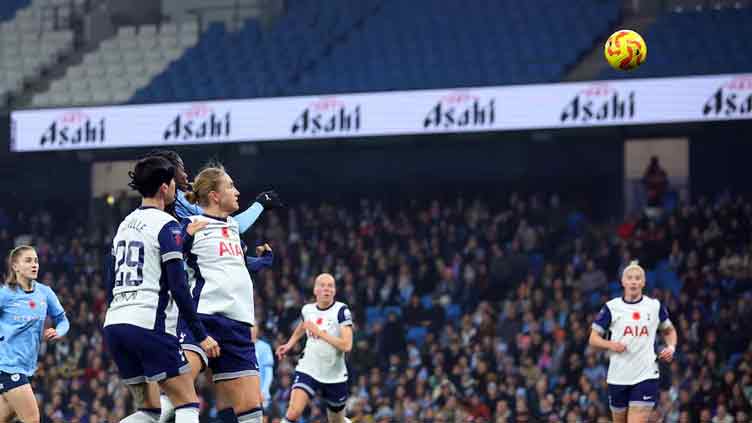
(328, 327)
(147, 289)
(223, 294)
(633, 321)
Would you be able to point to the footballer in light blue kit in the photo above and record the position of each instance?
(633, 321)
(24, 306)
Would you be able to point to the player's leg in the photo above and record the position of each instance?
(198, 361)
(182, 393)
(618, 399)
(126, 343)
(235, 372)
(171, 370)
(6, 413)
(146, 398)
(20, 398)
(242, 395)
(335, 395)
(303, 389)
(642, 400)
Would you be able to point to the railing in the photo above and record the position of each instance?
(236, 13)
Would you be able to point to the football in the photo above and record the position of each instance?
(625, 50)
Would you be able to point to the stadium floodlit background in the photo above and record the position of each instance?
(474, 256)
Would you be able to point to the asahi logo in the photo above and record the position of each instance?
(328, 115)
(461, 110)
(600, 103)
(733, 98)
(199, 122)
(74, 128)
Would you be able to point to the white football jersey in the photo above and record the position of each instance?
(320, 359)
(145, 239)
(634, 325)
(217, 272)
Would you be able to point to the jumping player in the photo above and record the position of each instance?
(223, 293)
(147, 289)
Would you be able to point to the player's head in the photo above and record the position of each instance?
(213, 187)
(154, 177)
(324, 288)
(181, 175)
(22, 263)
(633, 278)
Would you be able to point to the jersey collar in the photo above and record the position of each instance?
(324, 309)
(147, 207)
(224, 219)
(632, 302)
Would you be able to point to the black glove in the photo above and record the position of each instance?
(269, 199)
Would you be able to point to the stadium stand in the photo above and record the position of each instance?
(34, 39)
(121, 65)
(385, 45)
(494, 300)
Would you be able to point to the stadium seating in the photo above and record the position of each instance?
(384, 45)
(34, 39)
(120, 65)
(696, 43)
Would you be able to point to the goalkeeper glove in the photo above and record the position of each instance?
(269, 199)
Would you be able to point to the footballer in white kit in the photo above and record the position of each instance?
(322, 368)
(633, 322)
(147, 284)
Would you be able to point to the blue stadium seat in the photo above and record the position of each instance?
(8, 8)
(373, 45)
(416, 334)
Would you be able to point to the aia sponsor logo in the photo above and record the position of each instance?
(461, 109)
(200, 122)
(74, 128)
(600, 103)
(328, 116)
(733, 98)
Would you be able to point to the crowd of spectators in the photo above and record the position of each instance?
(465, 310)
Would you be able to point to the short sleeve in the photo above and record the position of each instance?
(603, 320)
(344, 317)
(663, 318)
(171, 241)
(54, 308)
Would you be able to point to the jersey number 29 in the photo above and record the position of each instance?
(129, 268)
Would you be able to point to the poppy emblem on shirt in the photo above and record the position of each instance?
(319, 321)
(225, 233)
(636, 315)
(32, 304)
(178, 237)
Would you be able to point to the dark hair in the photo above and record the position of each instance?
(171, 155)
(149, 174)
